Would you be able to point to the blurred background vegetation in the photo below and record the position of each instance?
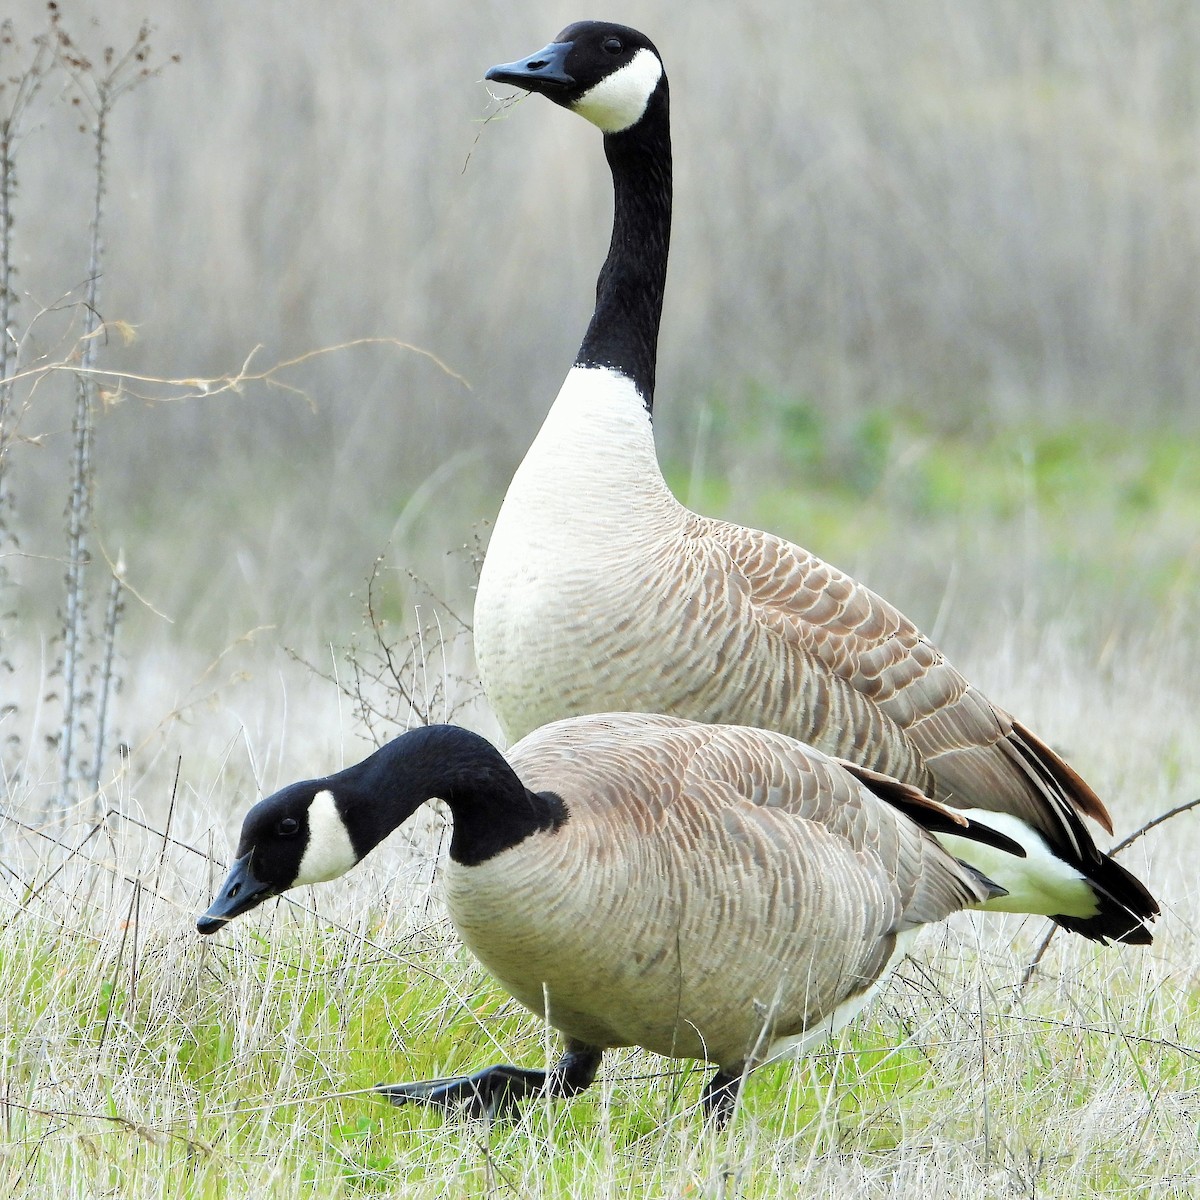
(933, 313)
(932, 310)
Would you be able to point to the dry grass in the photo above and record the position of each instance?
(140, 1060)
(977, 211)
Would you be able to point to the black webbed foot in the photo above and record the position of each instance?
(493, 1092)
(497, 1091)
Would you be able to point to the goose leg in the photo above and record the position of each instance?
(498, 1091)
(720, 1095)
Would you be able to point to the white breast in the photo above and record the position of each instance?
(574, 556)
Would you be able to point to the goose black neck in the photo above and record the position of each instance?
(491, 808)
(623, 333)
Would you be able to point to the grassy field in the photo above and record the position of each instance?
(938, 327)
(144, 1063)
(141, 1060)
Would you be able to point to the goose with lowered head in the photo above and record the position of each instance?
(600, 591)
(704, 891)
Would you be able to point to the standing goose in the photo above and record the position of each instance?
(601, 591)
(703, 891)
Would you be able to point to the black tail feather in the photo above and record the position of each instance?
(1125, 907)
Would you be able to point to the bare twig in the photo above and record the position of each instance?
(194, 387)
(25, 85)
(20, 87)
(1153, 823)
(97, 90)
(111, 617)
(149, 1132)
(387, 681)
(503, 105)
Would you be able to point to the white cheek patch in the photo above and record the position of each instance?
(330, 852)
(620, 99)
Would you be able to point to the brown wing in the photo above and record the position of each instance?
(655, 771)
(976, 755)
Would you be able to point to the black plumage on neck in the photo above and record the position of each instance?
(623, 333)
(491, 808)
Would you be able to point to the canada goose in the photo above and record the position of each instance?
(703, 891)
(601, 591)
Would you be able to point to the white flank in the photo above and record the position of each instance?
(800, 1044)
(618, 100)
(329, 852)
(1039, 883)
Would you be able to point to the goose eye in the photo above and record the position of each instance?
(613, 45)
(287, 827)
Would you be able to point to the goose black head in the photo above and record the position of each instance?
(295, 836)
(607, 73)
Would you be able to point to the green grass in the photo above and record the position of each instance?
(138, 1059)
(211, 1068)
